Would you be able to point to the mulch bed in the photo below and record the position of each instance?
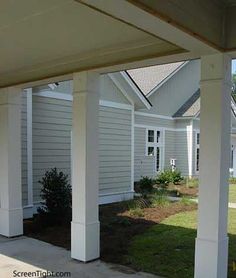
(182, 190)
(118, 228)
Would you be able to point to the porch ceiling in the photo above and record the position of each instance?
(41, 38)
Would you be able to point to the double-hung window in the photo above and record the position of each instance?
(154, 146)
(197, 151)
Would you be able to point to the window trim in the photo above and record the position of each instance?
(197, 146)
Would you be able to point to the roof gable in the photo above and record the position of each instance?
(148, 78)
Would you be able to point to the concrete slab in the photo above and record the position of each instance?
(25, 254)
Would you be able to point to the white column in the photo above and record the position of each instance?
(11, 215)
(85, 234)
(234, 161)
(211, 254)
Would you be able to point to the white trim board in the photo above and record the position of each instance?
(29, 147)
(135, 89)
(153, 115)
(159, 127)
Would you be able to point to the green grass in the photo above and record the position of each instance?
(167, 249)
(232, 193)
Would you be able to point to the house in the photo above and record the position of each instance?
(120, 36)
(147, 117)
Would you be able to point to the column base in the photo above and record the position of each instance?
(85, 241)
(211, 258)
(11, 222)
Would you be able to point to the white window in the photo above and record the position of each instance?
(154, 146)
(197, 151)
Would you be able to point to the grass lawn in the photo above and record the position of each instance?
(167, 249)
(232, 193)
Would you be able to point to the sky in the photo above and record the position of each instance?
(234, 66)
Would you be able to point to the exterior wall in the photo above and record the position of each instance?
(114, 150)
(171, 95)
(181, 152)
(24, 148)
(51, 122)
(170, 137)
(143, 165)
(176, 145)
(153, 121)
(51, 136)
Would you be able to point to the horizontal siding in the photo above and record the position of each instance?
(24, 148)
(114, 150)
(143, 165)
(153, 121)
(52, 120)
(181, 148)
(169, 147)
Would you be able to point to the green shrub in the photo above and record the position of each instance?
(56, 196)
(146, 185)
(168, 176)
(176, 177)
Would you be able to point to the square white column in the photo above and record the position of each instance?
(85, 228)
(211, 254)
(11, 215)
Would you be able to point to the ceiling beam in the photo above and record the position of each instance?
(137, 17)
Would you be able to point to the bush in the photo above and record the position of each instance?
(56, 196)
(168, 176)
(146, 185)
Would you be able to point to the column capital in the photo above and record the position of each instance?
(216, 67)
(85, 81)
(10, 95)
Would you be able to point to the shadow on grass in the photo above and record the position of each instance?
(169, 251)
(144, 245)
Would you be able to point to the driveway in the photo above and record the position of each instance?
(20, 257)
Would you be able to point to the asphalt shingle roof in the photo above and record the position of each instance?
(191, 107)
(149, 77)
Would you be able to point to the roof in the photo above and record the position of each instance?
(191, 107)
(148, 78)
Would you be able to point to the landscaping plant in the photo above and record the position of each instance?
(56, 197)
(168, 176)
(146, 185)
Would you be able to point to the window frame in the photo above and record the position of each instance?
(197, 147)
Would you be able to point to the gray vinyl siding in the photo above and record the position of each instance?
(143, 165)
(52, 122)
(51, 134)
(24, 148)
(169, 147)
(181, 152)
(153, 121)
(114, 150)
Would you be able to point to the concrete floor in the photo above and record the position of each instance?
(25, 254)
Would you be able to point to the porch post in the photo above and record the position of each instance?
(85, 231)
(234, 161)
(211, 254)
(11, 214)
